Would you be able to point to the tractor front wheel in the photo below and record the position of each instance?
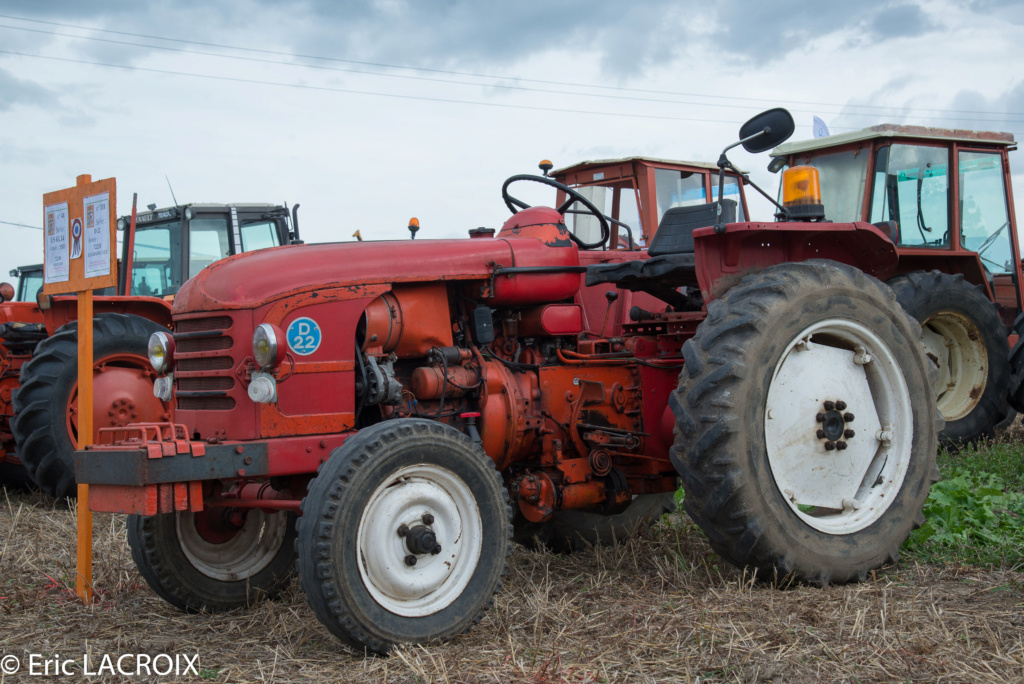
(404, 535)
(964, 336)
(806, 424)
(216, 560)
(46, 409)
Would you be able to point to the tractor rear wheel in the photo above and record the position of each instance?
(210, 561)
(404, 535)
(573, 531)
(806, 424)
(45, 424)
(964, 336)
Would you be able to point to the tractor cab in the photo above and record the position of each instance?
(174, 243)
(30, 282)
(959, 223)
(635, 193)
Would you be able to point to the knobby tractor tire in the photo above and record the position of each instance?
(758, 477)
(965, 337)
(236, 568)
(43, 427)
(574, 531)
(367, 513)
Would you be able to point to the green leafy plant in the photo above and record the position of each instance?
(971, 518)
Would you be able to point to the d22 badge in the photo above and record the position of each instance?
(303, 336)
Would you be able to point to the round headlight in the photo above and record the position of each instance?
(161, 351)
(265, 347)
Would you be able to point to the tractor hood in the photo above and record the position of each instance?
(254, 279)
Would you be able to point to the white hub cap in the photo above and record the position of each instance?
(251, 549)
(838, 426)
(413, 495)
(957, 347)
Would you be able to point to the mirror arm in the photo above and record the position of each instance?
(782, 213)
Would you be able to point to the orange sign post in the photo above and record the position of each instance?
(80, 255)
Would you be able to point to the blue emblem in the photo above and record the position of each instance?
(303, 336)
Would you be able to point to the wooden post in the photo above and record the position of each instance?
(83, 583)
(79, 255)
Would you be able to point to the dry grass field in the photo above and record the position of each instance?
(660, 608)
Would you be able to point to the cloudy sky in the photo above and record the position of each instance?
(368, 113)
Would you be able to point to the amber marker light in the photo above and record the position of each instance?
(800, 185)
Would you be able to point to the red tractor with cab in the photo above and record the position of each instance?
(959, 268)
(39, 334)
(386, 417)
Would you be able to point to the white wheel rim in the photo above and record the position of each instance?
(245, 554)
(435, 581)
(955, 344)
(844, 490)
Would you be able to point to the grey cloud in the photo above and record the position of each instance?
(1009, 105)
(766, 31)
(901, 21)
(15, 91)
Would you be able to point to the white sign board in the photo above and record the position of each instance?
(55, 244)
(97, 235)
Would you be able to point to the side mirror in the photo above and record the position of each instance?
(766, 130)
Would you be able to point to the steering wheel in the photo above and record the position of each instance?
(573, 196)
(991, 238)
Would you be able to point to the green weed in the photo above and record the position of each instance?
(971, 517)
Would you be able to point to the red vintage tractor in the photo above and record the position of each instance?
(386, 417)
(39, 335)
(959, 266)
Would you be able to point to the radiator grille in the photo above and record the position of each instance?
(209, 337)
(205, 384)
(208, 363)
(202, 344)
(203, 324)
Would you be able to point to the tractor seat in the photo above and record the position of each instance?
(675, 232)
(672, 262)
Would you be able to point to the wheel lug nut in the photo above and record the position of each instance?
(840, 445)
(848, 434)
(403, 530)
(840, 405)
(821, 434)
(410, 560)
(820, 417)
(848, 417)
(830, 445)
(436, 550)
(829, 405)
(427, 519)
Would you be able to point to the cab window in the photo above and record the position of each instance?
(617, 201)
(155, 260)
(686, 189)
(984, 219)
(207, 242)
(911, 187)
(30, 285)
(258, 235)
(842, 176)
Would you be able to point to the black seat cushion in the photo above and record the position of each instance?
(675, 232)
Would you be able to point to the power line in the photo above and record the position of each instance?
(292, 55)
(465, 83)
(20, 225)
(384, 75)
(302, 86)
